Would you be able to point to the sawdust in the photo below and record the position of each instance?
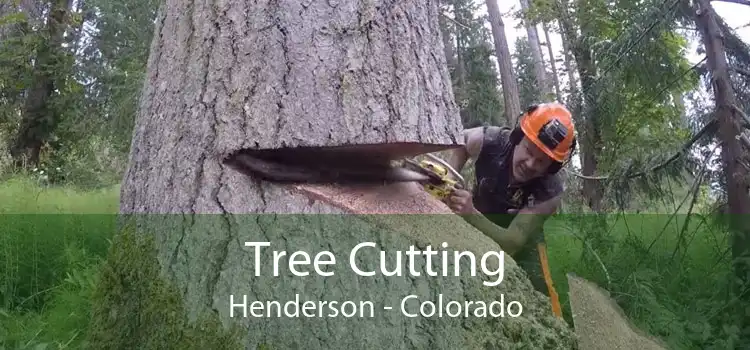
(395, 198)
(600, 323)
(412, 216)
(406, 206)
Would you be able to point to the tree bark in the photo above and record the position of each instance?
(296, 74)
(507, 77)
(353, 76)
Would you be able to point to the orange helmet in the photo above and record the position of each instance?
(550, 127)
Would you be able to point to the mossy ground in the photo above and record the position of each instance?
(134, 307)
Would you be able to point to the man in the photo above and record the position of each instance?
(516, 173)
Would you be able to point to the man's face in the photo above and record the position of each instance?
(529, 161)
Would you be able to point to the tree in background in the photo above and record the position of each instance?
(529, 90)
(475, 83)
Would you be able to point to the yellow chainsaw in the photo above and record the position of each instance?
(442, 180)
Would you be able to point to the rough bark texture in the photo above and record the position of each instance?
(235, 75)
(508, 80)
(231, 75)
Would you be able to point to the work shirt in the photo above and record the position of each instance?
(494, 195)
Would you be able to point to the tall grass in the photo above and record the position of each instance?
(48, 266)
(49, 260)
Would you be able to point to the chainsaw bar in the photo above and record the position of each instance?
(322, 170)
(434, 178)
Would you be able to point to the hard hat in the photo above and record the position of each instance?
(550, 127)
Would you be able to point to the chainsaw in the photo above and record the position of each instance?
(442, 180)
(331, 165)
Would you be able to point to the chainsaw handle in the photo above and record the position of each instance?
(449, 167)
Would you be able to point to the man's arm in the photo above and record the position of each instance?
(510, 240)
(545, 208)
(528, 221)
(473, 139)
(531, 219)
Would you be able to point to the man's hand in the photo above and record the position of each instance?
(460, 202)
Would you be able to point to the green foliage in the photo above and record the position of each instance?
(116, 61)
(475, 80)
(89, 117)
(55, 275)
(49, 262)
(673, 288)
(483, 105)
(134, 307)
(668, 273)
(528, 89)
(636, 67)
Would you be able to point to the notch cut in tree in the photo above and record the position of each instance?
(267, 80)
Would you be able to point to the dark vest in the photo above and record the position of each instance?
(493, 195)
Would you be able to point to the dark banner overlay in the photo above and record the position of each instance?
(323, 274)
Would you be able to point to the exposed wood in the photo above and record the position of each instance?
(600, 323)
(374, 74)
(305, 74)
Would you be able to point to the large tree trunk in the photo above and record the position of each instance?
(294, 74)
(507, 77)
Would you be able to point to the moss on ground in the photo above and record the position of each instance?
(135, 307)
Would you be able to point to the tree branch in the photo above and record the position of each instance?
(741, 2)
(454, 21)
(741, 71)
(708, 128)
(742, 114)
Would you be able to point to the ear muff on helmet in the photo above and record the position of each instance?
(556, 166)
(517, 135)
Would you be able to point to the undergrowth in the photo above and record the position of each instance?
(49, 269)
